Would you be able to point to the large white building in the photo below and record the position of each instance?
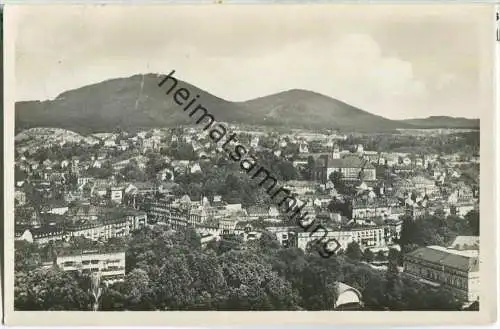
(369, 236)
(365, 237)
(457, 269)
(342, 237)
(110, 265)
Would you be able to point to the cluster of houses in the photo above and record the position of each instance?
(385, 188)
(89, 221)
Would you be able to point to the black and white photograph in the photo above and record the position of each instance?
(250, 158)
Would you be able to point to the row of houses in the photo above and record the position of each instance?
(85, 221)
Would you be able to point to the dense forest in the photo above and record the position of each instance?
(466, 143)
(171, 271)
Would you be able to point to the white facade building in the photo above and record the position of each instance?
(111, 266)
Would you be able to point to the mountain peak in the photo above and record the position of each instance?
(300, 93)
(136, 102)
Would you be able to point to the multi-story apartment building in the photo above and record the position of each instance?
(342, 237)
(393, 228)
(116, 193)
(365, 236)
(40, 235)
(101, 229)
(163, 211)
(369, 208)
(369, 236)
(416, 210)
(424, 185)
(455, 269)
(110, 265)
(136, 219)
(158, 209)
(105, 226)
(198, 215)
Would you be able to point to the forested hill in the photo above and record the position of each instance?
(137, 102)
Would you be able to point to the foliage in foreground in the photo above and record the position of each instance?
(170, 271)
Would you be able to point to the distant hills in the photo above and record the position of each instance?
(443, 122)
(138, 103)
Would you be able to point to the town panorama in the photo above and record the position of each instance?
(161, 219)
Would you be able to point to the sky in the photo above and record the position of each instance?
(397, 62)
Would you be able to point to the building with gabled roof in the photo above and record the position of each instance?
(351, 166)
